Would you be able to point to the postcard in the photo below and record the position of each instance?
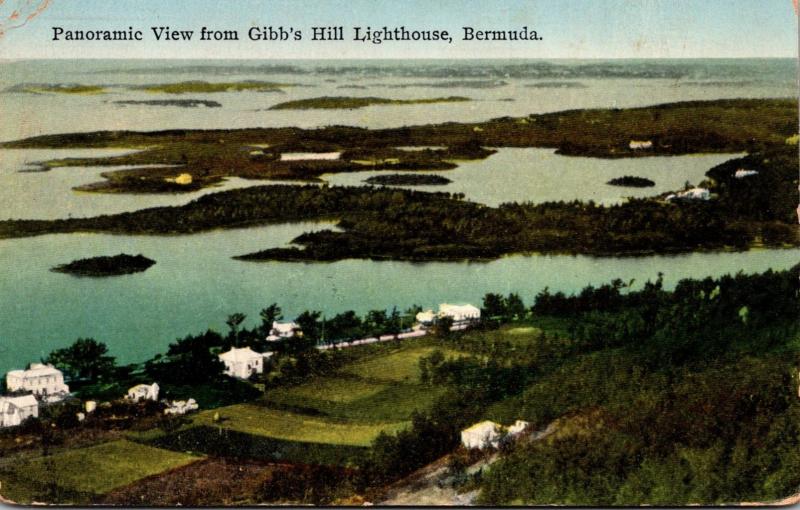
(399, 253)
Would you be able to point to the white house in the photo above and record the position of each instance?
(426, 317)
(637, 145)
(281, 330)
(482, 435)
(15, 410)
(39, 379)
(691, 194)
(517, 429)
(144, 392)
(459, 313)
(244, 362)
(742, 173)
(181, 406)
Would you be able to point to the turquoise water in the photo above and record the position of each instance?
(540, 175)
(195, 283)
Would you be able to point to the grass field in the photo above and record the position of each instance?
(262, 421)
(78, 475)
(381, 388)
(399, 366)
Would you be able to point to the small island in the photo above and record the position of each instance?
(408, 180)
(352, 103)
(630, 181)
(197, 87)
(106, 266)
(182, 103)
(56, 88)
(556, 85)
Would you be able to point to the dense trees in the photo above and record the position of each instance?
(188, 361)
(670, 399)
(86, 360)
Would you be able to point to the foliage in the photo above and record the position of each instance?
(85, 360)
(188, 361)
(667, 398)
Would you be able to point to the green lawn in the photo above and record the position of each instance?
(399, 366)
(286, 425)
(77, 475)
(339, 388)
(382, 388)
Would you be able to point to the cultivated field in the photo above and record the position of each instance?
(261, 421)
(379, 389)
(80, 475)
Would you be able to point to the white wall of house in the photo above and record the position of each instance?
(15, 410)
(144, 392)
(38, 379)
(242, 363)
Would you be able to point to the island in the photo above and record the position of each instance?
(106, 266)
(56, 88)
(556, 85)
(630, 181)
(198, 86)
(395, 224)
(182, 103)
(408, 180)
(352, 103)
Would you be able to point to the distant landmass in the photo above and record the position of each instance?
(183, 103)
(630, 181)
(350, 103)
(408, 180)
(107, 266)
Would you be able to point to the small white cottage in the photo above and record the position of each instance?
(742, 173)
(15, 410)
(282, 330)
(243, 363)
(486, 434)
(691, 194)
(426, 317)
(517, 429)
(177, 407)
(637, 145)
(144, 392)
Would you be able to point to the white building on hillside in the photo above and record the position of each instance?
(426, 317)
(281, 330)
(244, 362)
(691, 194)
(144, 392)
(15, 410)
(182, 406)
(742, 173)
(486, 434)
(460, 313)
(637, 145)
(517, 429)
(39, 379)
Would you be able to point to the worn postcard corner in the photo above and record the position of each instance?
(370, 252)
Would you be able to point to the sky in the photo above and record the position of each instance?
(569, 28)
